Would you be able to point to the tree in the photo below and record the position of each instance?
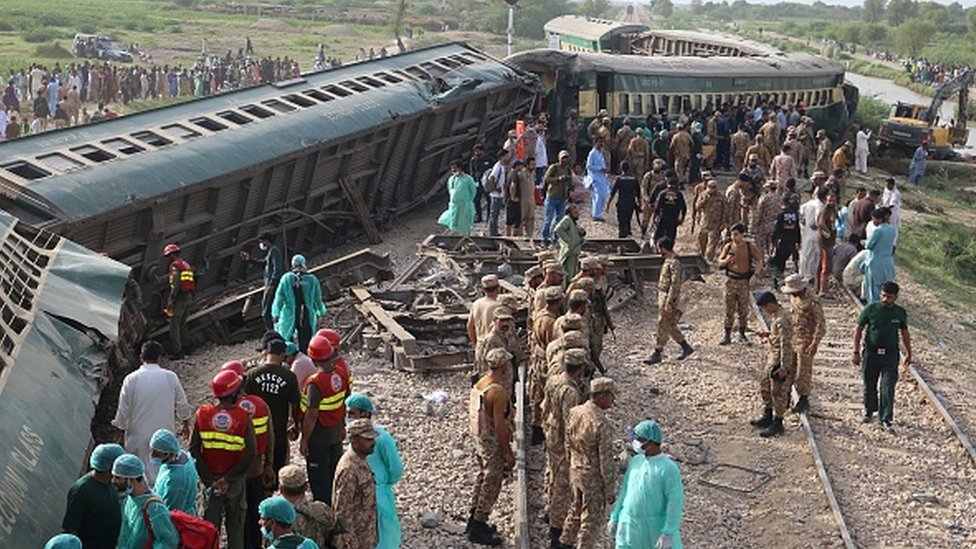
(900, 11)
(913, 35)
(595, 8)
(849, 33)
(971, 19)
(697, 7)
(663, 8)
(874, 10)
(873, 35)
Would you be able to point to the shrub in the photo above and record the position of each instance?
(40, 34)
(52, 51)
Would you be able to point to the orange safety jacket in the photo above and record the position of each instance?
(222, 433)
(260, 415)
(181, 271)
(334, 388)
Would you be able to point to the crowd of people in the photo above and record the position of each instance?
(234, 475)
(40, 97)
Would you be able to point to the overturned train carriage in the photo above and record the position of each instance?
(316, 160)
(59, 314)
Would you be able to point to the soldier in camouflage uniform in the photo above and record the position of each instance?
(809, 327)
(554, 277)
(573, 339)
(776, 378)
(543, 333)
(638, 151)
(494, 444)
(354, 490)
(669, 303)
(563, 392)
(765, 217)
(588, 443)
(741, 261)
(710, 207)
(313, 519)
(533, 278)
(647, 184)
(501, 336)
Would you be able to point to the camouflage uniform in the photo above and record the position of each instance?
(648, 182)
(562, 394)
(354, 501)
(571, 136)
(741, 141)
(557, 350)
(764, 218)
(669, 293)
(571, 321)
(508, 341)
(638, 152)
(776, 394)
(711, 208)
(314, 520)
(491, 466)
(809, 326)
(681, 144)
(590, 475)
(542, 335)
(770, 133)
(825, 151)
(733, 198)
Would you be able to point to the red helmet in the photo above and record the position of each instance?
(320, 348)
(331, 335)
(235, 366)
(225, 383)
(171, 249)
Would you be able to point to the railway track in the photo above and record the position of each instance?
(885, 489)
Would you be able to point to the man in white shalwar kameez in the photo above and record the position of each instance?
(809, 235)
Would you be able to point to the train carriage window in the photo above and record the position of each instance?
(793, 98)
(279, 106)
(651, 104)
(371, 82)
(235, 117)
(181, 131)
(123, 146)
(817, 96)
(208, 124)
(623, 101)
(354, 86)
(697, 102)
(434, 69)
(461, 59)
(475, 55)
(638, 105)
(809, 98)
(151, 138)
(320, 95)
(299, 100)
(337, 91)
(60, 162)
(830, 96)
(92, 153)
(664, 106)
(256, 111)
(449, 63)
(25, 169)
(388, 78)
(417, 72)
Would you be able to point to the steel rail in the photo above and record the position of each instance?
(828, 487)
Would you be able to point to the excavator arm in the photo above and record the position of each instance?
(960, 83)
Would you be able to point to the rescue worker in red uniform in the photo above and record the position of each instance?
(181, 288)
(336, 341)
(224, 445)
(323, 427)
(261, 473)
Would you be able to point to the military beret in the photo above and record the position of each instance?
(574, 339)
(503, 313)
(579, 295)
(498, 356)
(572, 321)
(553, 267)
(575, 356)
(362, 428)
(554, 293)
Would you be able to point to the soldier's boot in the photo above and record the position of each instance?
(742, 336)
(775, 429)
(802, 405)
(685, 350)
(654, 358)
(765, 421)
(728, 337)
(538, 436)
(481, 534)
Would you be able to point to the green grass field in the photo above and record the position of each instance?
(174, 34)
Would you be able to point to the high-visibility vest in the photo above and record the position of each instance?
(222, 432)
(180, 270)
(334, 388)
(260, 414)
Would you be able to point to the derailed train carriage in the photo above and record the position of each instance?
(317, 160)
(667, 86)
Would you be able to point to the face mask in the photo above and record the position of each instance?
(263, 246)
(349, 420)
(267, 534)
(158, 462)
(636, 445)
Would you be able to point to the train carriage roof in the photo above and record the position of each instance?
(719, 39)
(794, 64)
(454, 71)
(589, 28)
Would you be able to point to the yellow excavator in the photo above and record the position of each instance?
(910, 124)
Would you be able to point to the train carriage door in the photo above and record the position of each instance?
(603, 89)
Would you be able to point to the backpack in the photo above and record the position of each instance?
(195, 532)
(488, 183)
(477, 413)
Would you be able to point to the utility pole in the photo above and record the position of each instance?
(511, 24)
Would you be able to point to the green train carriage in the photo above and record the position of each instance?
(638, 86)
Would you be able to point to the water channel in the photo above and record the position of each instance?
(891, 93)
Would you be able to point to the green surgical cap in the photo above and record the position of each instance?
(277, 509)
(63, 541)
(360, 401)
(648, 430)
(128, 466)
(164, 441)
(103, 456)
